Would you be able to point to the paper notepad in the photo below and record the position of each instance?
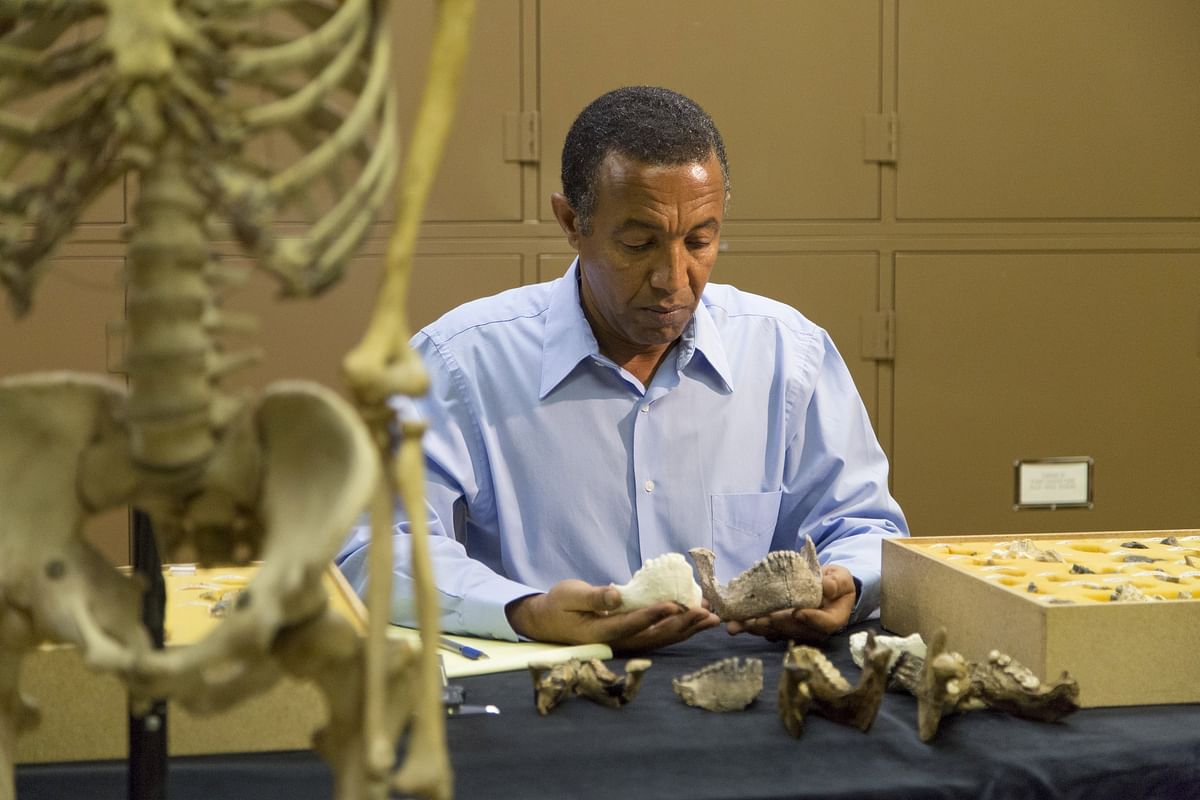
(504, 656)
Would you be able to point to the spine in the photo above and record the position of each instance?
(169, 350)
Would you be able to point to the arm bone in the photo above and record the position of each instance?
(382, 363)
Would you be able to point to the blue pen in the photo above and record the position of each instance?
(464, 650)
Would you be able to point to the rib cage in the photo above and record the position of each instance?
(256, 123)
(263, 117)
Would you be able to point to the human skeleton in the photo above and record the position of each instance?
(182, 94)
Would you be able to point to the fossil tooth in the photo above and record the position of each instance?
(726, 685)
(783, 579)
(667, 577)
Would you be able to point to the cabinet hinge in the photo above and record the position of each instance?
(881, 136)
(879, 335)
(522, 136)
(114, 347)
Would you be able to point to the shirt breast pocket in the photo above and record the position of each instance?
(739, 519)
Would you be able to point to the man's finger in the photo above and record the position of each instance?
(604, 599)
(619, 626)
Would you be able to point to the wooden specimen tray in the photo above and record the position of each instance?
(84, 714)
(1056, 616)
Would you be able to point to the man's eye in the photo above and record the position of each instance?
(699, 244)
(635, 246)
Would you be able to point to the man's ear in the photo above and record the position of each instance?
(567, 219)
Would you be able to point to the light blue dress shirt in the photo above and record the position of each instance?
(546, 461)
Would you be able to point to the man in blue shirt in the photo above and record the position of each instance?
(580, 427)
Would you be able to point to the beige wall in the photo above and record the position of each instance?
(1014, 274)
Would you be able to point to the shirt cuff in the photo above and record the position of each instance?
(483, 614)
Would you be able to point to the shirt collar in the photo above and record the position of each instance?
(569, 338)
(703, 337)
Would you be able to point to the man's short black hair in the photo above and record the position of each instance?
(645, 123)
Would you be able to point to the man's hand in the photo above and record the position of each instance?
(575, 612)
(808, 625)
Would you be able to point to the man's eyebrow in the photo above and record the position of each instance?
(637, 224)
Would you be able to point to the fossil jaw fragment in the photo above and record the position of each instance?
(911, 648)
(667, 577)
(726, 685)
(944, 682)
(783, 579)
(809, 682)
(553, 683)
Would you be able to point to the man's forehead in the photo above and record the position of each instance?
(617, 164)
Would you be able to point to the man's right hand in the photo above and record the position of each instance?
(575, 612)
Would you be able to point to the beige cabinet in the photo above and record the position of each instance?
(994, 208)
(787, 81)
(1036, 110)
(1006, 356)
(475, 182)
(834, 290)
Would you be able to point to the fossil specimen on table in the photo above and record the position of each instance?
(910, 647)
(783, 579)
(945, 682)
(553, 683)
(667, 577)
(730, 684)
(810, 682)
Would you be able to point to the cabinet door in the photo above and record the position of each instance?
(66, 326)
(1049, 109)
(474, 182)
(834, 290)
(787, 82)
(1006, 356)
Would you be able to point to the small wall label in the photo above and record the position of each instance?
(1052, 483)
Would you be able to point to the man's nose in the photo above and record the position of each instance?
(671, 272)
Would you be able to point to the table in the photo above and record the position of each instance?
(657, 747)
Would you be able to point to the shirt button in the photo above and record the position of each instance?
(645, 408)
(649, 486)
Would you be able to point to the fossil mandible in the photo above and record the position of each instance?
(783, 579)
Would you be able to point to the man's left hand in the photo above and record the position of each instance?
(808, 625)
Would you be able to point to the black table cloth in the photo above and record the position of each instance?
(657, 747)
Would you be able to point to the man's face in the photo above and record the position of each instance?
(651, 248)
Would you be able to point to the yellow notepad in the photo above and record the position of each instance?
(504, 656)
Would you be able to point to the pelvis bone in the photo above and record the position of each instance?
(784, 579)
(312, 469)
